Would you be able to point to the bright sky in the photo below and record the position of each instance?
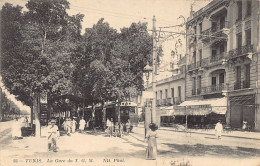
(121, 13)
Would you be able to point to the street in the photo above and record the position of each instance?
(88, 148)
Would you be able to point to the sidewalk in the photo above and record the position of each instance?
(232, 133)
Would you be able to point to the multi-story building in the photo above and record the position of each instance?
(222, 61)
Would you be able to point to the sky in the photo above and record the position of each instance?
(121, 13)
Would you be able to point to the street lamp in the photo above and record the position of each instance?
(147, 70)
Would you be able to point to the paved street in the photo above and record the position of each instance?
(90, 149)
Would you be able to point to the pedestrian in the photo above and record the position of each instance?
(68, 126)
(116, 129)
(109, 129)
(218, 129)
(128, 126)
(16, 129)
(82, 124)
(73, 125)
(151, 135)
(26, 122)
(53, 134)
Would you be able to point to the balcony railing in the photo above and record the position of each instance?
(218, 58)
(241, 85)
(177, 100)
(191, 66)
(213, 89)
(240, 51)
(214, 31)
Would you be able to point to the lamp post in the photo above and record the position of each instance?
(147, 70)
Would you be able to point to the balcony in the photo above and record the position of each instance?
(213, 89)
(215, 32)
(192, 66)
(209, 61)
(177, 100)
(241, 51)
(241, 85)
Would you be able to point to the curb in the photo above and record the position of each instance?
(223, 135)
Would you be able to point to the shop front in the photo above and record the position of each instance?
(201, 113)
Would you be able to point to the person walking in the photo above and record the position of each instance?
(73, 125)
(82, 124)
(218, 129)
(53, 134)
(128, 126)
(151, 135)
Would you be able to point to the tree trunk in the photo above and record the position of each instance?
(1, 111)
(36, 111)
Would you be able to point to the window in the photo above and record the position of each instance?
(160, 94)
(214, 26)
(247, 76)
(249, 8)
(238, 78)
(239, 10)
(222, 48)
(221, 78)
(172, 92)
(194, 57)
(179, 92)
(248, 37)
(200, 57)
(214, 55)
(199, 85)
(195, 32)
(156, 96)
(222, 22)
(193, 86)
(166, 93)
(239, 40)
(200, 26)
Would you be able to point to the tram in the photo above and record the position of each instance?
(128, 110)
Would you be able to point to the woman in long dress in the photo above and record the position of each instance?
(82, 124)
(151, 150)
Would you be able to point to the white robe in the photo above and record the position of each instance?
(82, 124)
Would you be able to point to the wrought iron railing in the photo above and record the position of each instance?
(241, 84)
(177, 100)
(213, 88)
(240, 51)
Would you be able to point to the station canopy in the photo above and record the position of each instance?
(202, 107)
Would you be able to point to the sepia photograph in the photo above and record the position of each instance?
(129, 82)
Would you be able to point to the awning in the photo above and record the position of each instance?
(166, 111)
(202, 107)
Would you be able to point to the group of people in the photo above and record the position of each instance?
(70, 125)
(117, 129)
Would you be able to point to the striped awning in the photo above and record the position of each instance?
(202, 107)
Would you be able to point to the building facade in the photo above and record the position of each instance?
(222, 60)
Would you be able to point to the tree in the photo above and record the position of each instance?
(43, 63)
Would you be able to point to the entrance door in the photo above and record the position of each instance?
(249, 115)
(213, 84)
(236, 114)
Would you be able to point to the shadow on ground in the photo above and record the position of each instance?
(209, 150)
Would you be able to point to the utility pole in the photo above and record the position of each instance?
(154, 72)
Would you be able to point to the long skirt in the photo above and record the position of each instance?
(151, 150)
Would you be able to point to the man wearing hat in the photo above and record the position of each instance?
(53, 134)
